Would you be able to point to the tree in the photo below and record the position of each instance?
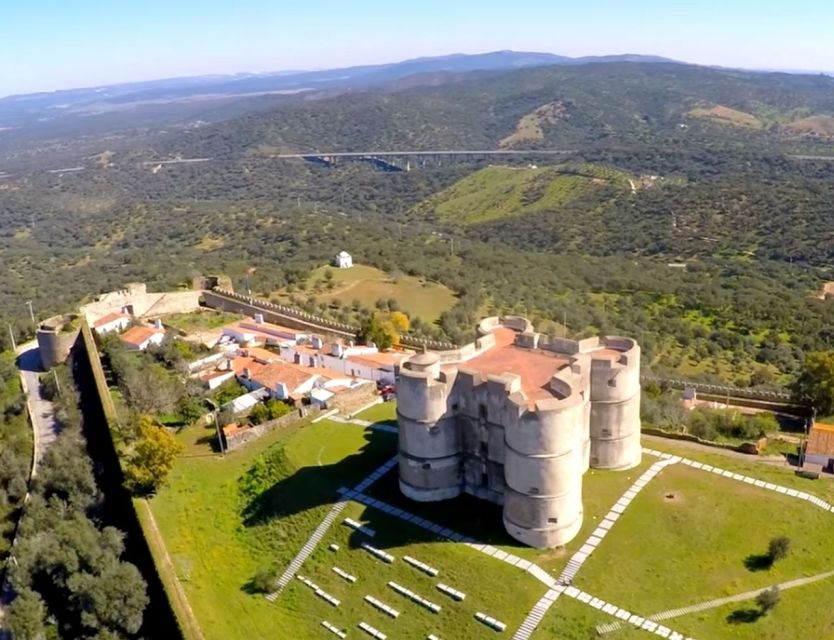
(816, 381)
(152, 457)
(113, 599)
(264, 581)
(779, 548)
(26, 616)
(768, 599)
(190, 409)
(259, 414)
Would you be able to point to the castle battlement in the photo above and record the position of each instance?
(517, 417)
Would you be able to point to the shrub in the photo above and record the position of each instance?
(779, 548)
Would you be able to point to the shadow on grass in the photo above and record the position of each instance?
(758, 562)
(744, 616)
(272, 489)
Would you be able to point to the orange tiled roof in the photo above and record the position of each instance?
(379, 359)
(279, 372)
(110, 317)
(821, 440)
(136, 336)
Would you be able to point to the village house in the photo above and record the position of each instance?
(141, 337)
(366, 362)
(259, 332)
(112, 322)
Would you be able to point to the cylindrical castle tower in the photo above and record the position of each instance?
(615, 405)
(543, 468)
(429, 440)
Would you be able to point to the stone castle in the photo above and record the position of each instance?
(517, 418)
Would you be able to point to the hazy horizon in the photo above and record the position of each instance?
(60, 46)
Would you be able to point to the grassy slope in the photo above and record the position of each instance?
(699, 542)
(216, 554)
(383, 412)
(201, 321)
(498, 192)
(490, 586)
(368, 284)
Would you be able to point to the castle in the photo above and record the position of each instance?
(517, 418)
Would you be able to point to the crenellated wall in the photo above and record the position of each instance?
(464, 431)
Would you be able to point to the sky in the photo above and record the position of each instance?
(59, 44)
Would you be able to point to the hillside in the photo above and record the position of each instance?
(592, 105)
(497, 192)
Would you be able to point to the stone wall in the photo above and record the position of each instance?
(142, 303)
(247, 434)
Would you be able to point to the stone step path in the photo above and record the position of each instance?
(719, 602)
(540, 609)
(769, 486)
(525, 565)
(621, 614)
(310, 546)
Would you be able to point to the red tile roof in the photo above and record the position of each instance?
(137, 336)
(110, 317)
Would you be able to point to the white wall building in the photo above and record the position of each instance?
(343, 260)
(112, 322)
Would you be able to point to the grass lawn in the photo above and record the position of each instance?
(748, 465)
(203, 320)
(569, 619)
(482, 520)
(491, 586)
(382, 412)
(420, 298)
(800, 614)
(218, 538)
(691, 536)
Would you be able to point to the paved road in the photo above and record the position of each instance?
(45, 428)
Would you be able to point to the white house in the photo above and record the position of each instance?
(354, 361)
(258, 331)
(343, 260)
(112, 322)
(141, 337)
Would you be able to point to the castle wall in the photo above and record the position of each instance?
(461, 431)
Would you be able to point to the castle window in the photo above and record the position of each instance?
(426, 466)
(455, 406)
(482, 411)
(534, 491)
(606, 432)
(484, 480)
(484, 449)
(553, 520)
(433, 430)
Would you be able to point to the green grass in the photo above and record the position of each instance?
(490, 585)
(689, 536)
(569, 619)
(800, 614)
(419, 297)
(498, 192)
(482, 520)
(203, 320)
(214, 549)
(382, 412)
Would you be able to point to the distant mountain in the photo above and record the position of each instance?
(30, 109)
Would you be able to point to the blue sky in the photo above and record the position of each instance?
(59, 44)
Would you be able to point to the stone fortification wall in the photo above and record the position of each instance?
(462, 431)
(429, 442)
(141, 303)
(615, 407)
(55, 340)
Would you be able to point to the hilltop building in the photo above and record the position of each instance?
(517, 418)
(343, 260)
(141, 337)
